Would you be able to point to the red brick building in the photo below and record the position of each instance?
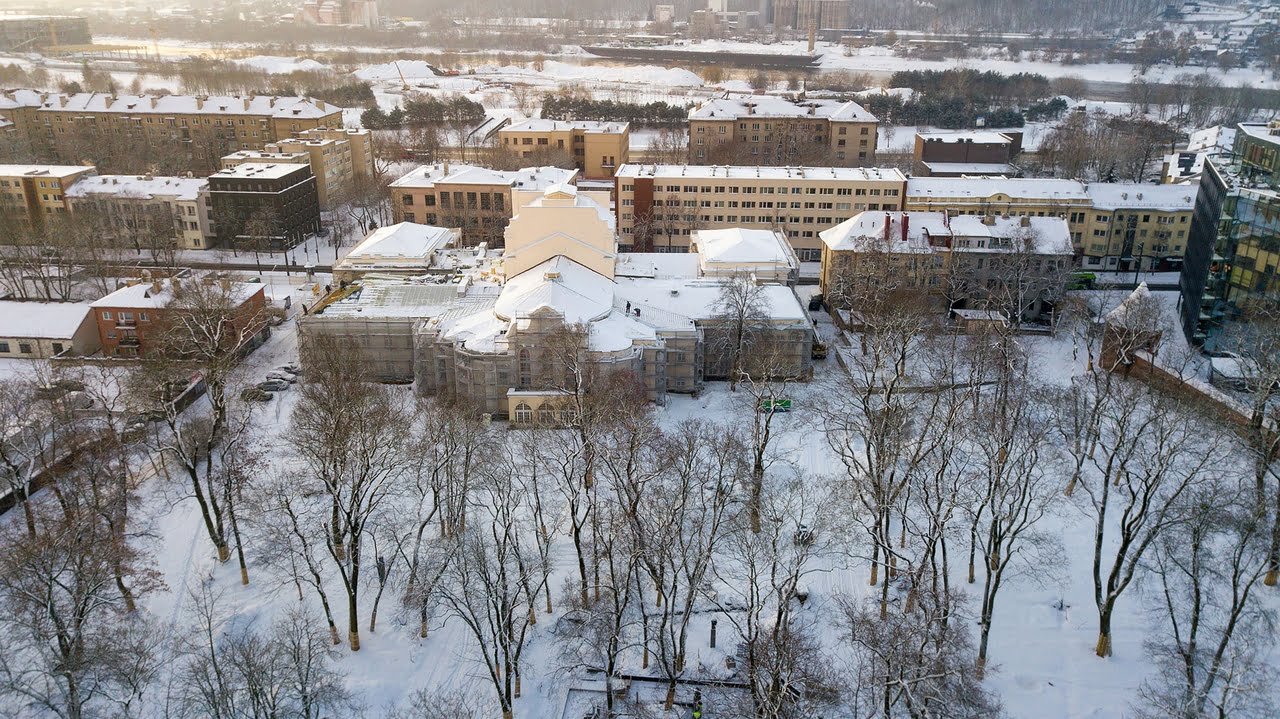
(125, 316)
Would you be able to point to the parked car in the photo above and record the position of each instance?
(273, 385)
(253, 394)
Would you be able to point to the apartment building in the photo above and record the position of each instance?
(20, 32)
(125, 317)
(359, 140)
(30, 193)
(201, 128)
(967, 152)
(660, 206)
(248, 195)
(477, 200)
(1137, 227)
(1107, 221)
(141, 204)
(330, 165)
(961, 262)
(598, 148)
(767, 129)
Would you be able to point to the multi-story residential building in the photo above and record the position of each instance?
(1137, 227)
(125, 317)
(138, 204)
(772, 130)
(1007, 264)
(267, 205)
(30, 193)
(196, 129)
(477, 200)
(1098, 214)
(330, 162)
(1234, 248)
(597, 148)
(359, 140)
(660, 206)
(500, 342)
(966, 152)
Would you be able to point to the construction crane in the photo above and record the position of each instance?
(404, 84)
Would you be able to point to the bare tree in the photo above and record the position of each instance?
(737, 325)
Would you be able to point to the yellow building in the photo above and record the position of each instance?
(136, 204)
(598, 148)
(30, 193)
(477, 200)
(767, 129)
(359, 140)
(659, 207)
(1109, 222)
(204, 127)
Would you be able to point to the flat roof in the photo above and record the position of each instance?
(403, 240)
(542, 125)
(986, 187)
(43, 170)
(529, 178)
(141, 187)
(1260, 131)
(1126, 196)
(260, 170)
(259, 105)
(971, 168)
(773, 106)
(984, 137)
(746, 172)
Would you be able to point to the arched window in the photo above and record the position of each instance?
(525, 370)
(524, 414)
(546, 415)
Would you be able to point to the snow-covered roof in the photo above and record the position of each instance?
(745, 172)
(956, 169)
(1052, 235)
(256, 105)
(243, 156)
(144, 295)
(983, 137)
(899, 232)
(737, 245)
(41, 320)
(559, 284)
(42, 170)
(984, 188)
(259, 170)
(142, 187)
(529, 178)
(10, 99)
(657, 265)
(404, 299)
(1216, 138)
(676, 304)
(1261, 131)
(1129, 313)
(403, 240)
(772, 106)
(1124, 196)
(543, 125)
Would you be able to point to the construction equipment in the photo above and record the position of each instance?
(404, 84)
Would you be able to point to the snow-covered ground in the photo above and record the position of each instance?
(1042, 642)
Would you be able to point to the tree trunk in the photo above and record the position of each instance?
(1103, 647)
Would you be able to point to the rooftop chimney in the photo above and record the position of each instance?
(906, 222)
(154, 101)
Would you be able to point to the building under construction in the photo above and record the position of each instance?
(815, 14)
(25, 33)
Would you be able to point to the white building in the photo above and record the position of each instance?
(40, 330)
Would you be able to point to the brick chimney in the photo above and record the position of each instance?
(906, 222)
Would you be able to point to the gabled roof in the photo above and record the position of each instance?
(559, 284)
(404, 239)
(900, 232)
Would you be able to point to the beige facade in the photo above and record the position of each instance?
(359, 141)
(132, 203)
(330, 163)
(476, 200)
(31, 193)
(766, 129)
(598, 148)
(1107, 220)
(205, 127)
(660, 206)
